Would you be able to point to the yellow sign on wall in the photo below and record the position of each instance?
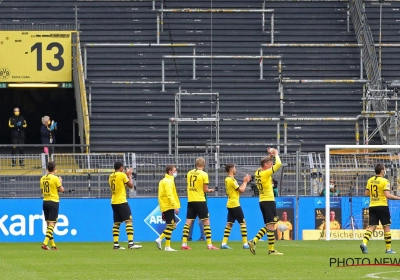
(347, 234)
(35, 56)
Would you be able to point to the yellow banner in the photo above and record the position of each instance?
(35, 56)
(346, 234)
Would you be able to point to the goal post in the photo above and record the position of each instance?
(351, 166)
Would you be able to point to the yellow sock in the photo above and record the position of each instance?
(168, 233)
(115, 232)
(271, 240)
(260, 234)
(49, 234)
(243, 230)
(129, 232)
(227, 232)
(185, 234)
(207, 233)
(388, 240)
(367, 236)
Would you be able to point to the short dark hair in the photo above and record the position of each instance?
(51, 166)
(229, 166)
(118, 165)
(378, 168)
(264, 160)
(169, 168)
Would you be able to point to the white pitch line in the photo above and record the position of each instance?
(375, 275)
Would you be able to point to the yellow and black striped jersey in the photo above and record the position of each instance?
(117, 181)
(232, 192)
(196, 179)
(377, 186)
(49, 185)
(263, 179)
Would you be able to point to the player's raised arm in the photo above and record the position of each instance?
(243, 186)
(274, 152)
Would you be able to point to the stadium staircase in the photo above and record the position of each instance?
(390, 56)
(134, 117)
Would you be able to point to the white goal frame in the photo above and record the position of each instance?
(328, 148)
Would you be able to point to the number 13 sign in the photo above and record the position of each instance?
(35, 56)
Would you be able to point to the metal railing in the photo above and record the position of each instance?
(130, 45)
(315, 45)
(154, 1)
(81, 97)
(100, 82)
(160, 21)
(286, 121)
(328, 45)
(194, 57)
(216, 120)
(214, 116)
(316, 81)
(86, 175)
(365, 38)
(77, 90)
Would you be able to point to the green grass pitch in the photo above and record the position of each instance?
(301, 260)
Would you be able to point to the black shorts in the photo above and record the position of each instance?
(122, 212)
(169, 216)
(235, 214)
(379, 213)
(50, 210)
(197, 209)
(268, 210)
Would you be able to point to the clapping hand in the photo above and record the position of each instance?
(129, 172)
(247, 178)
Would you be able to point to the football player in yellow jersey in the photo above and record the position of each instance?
(284, 228)
(334, 225)
(169, 205)
(378, 190)
(235, 212)
(119, 204)
(267, 200)
(50, 185)
(197, 187)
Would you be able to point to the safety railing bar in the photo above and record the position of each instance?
(216, 10)
(333, 45)
(325, 81)
(224, 56)
(134, 82)
(87, 45)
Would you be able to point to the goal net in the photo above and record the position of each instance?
(348, 168)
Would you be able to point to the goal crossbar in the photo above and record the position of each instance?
(355, 149)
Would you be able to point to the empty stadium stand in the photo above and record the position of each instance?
(134, 117)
